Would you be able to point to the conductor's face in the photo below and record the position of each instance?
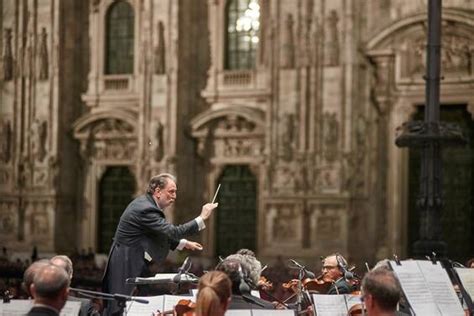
(166, 196)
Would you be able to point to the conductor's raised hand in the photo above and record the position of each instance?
(207, 210)
(192, 245)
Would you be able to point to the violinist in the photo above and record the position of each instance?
(335, 271)
(381, 292)
(214, 294)
(238, 272)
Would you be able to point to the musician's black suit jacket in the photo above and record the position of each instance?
(142, 229)
(41, 311)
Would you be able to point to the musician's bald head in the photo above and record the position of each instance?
(381, 291)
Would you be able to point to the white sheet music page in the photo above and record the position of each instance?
(441, 288)
(415, 288)
(330, 305)
(272, 312)
(71, 308)
(155, 303)
(16, 307)
(238, 312)
(466, 275)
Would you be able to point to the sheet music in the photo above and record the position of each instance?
(238, 312)
(71, 308)
(330, 305)
(271, 312)
(415, 288)
(16, 307)
(441, 288)
(466, 275)
(428, 288)
(155, 303)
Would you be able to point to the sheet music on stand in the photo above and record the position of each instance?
(427, 287)
(334, 305)
(466, 276)
(259, 312)
(155, 303)
(22, 307)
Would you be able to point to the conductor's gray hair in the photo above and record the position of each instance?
(159, 181)
(63, 262)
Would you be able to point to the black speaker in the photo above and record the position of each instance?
(342, 263)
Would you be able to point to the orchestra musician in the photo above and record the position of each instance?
(144, 237)
(335, 271)
(238, 273)
(381, 292)
(214, 294)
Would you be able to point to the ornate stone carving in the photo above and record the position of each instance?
(283, 223)
(331, 56)
(289, 177)
(160, 52)
(40, 225)
(95, 4)
(43, 56)
(8, 219)
(8, 56)
(286, 131)
(39, 130)
(111, 139)
(330, 136)
(287, 59)
(328, 224)
(159, 150)
(456, 56)
(5, 141)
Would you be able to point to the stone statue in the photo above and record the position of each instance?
(160, 62)
(43, 56)
(7, 56)
(5, 141)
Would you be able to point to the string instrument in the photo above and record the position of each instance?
(264, 284)
(318, 284)
(184, 307)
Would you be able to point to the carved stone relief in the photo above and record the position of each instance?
(288, 46)
(456, 56)
(8, 219)
(39, 130)
(287, 137)
(283, 223)
(8, 56)
(160, 52)
(328, 225)
(159, 150)
(330, 136)
(5, 141)
(331, 56)
(108, 139)
(43, 56)
(38, 220)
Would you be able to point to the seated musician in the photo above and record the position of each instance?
(381, 292)
(335, 271)
(214, 294)
(238, 273)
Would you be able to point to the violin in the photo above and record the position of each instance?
(264, 284)
(318, 284)
(184, 307)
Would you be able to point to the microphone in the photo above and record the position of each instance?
(348, 275)
(308, 273)
(181, 270)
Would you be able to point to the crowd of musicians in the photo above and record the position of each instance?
(143, 239)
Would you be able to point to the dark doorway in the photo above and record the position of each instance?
(458, 187)
(116, 190)
(237, 213)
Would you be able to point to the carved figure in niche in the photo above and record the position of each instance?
(330, 136)
(284, 178)
(158, 152)
(7, 56)
(39, 130)
(287, 128)
(332, 40)
(43, 56)
(7, 219)
(288, 47)
(39, 225)
(5, 141)
(284, 224)
(328, 226)
(160, 65)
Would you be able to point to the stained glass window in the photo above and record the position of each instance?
(119, 39)
(243, 23)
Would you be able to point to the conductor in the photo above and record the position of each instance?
(144, 236)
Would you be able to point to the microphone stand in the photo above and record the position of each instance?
(121, 299)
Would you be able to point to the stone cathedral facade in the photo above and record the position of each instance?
(291, 105)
